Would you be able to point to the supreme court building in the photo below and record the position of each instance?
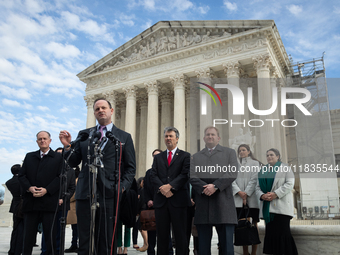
(153, 80)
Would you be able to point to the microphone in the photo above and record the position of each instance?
(81, 137)
(104, 139)
(111, 136)
(96, 137)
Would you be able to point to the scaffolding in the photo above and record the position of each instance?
(313, 136)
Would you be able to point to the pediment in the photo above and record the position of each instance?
(170, 36)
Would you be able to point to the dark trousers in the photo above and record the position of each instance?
(177, 216)
(58, 234)
(152, 243)
(190, 215)
(104, 223)
(17, 236)
(74, 241)
(31, 222)
(225, 237)
(135, 231)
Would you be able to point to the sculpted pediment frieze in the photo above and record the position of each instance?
(165, 41)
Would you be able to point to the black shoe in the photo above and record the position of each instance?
(71, 249)
(35, 245)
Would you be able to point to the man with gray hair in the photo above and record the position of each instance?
(39, 179)
(170, 176)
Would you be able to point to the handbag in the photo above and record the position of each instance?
(246, 233)
(148, 220)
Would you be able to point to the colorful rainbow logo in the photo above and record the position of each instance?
(212, 89)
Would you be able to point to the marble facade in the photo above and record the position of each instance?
(147, 80)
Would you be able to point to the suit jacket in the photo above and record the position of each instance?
(41, 172)
(283, 185)
(106, 176)
(177, 175)
(218, 208)
(13, 185)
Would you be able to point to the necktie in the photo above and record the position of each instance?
(43, 155)
(169, 158)
(210, 151)
(101, 131)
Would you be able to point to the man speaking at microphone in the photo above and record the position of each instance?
(105, 179)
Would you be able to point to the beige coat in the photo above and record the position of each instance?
(71, 215)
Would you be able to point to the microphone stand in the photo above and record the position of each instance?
(94, 167)
(63, 207)
(116, 191)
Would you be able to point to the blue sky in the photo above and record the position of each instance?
(44, 44)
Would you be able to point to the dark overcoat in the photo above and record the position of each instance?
(41, 172)
(218, 208)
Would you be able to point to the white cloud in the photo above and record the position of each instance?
(43, 108)
(203, 9)
(15, 93)
(102, 49)
(11, 103)
(149, 4)
(64, 109)
(63, 51)
(294, 9)
(147, 24)
(127, 20)
(230, 6)
(89, 26)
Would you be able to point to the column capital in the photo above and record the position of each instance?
(262, 62)
(232, 69)
(179, 81)
(152, 87)
(142, 98)
(130, 92)
(89, 99)
(204, 72)
(110, 95)
(166, 95)
(274, 72)
(191, 90)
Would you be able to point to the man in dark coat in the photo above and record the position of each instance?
(212, 172)
(170, 176)
(14, 187)
(39, 179)
(106, 178)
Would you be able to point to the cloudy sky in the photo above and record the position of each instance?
(44, 44)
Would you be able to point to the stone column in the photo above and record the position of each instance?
(224, 128)
(192, 114)
(232, 72)
(122, 114)
(179, 81)
(142, 152)
(165, 96)
(262, 65)
(91, 120)
(152, 125)
(284, 146)
(111, 97)
(205, 75)
(130, 120)
(276, 115)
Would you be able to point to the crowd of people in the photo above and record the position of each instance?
(186, 202)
